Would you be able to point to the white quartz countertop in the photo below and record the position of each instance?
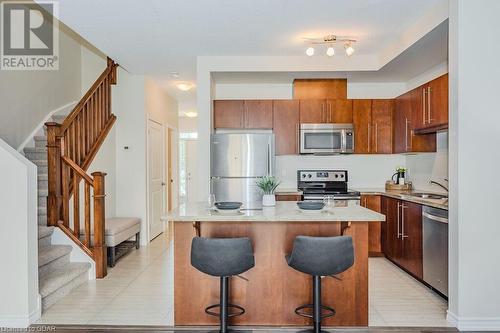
(284, 211)
(405, 195)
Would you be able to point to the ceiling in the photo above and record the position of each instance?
(156, 37)
(426, 53)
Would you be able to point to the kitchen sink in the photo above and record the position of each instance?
(424, 195)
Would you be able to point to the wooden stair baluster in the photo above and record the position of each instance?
(71, 147)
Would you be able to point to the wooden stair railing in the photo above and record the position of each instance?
(71, 147)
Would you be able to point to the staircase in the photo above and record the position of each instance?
(57, 275)
(63, 155)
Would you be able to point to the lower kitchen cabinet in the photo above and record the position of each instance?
(288, 197)
(373, 202)
(402, 234)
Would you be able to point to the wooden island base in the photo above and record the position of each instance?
(274, 290)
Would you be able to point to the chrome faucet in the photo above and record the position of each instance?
(439, 184)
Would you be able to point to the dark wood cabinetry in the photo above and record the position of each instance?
(313, 111)
(404, 138)
(256, 114)
(286, 126)
(288, 197)
(339, 111)
(373, 126)
(373, 202)
(431, 105)
(402, 234)
(229, 113)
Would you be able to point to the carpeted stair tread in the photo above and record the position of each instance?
(35, 149)
(44, 231)
(60, 277)
(50, 253)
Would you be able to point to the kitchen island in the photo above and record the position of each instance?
(273, 289)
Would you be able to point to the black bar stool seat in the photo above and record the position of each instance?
(320, 256)
(222, 257)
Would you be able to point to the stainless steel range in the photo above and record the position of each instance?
(320, 184)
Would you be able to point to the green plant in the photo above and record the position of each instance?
(268, 184)
(401, 169)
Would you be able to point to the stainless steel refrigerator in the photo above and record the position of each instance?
(238, 160)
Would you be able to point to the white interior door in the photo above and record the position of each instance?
(191, 169)
(156, 156)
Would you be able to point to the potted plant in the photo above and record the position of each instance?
(268, 185)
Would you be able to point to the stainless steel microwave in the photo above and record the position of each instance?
(326, 138)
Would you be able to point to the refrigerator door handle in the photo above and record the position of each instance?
(269, 160)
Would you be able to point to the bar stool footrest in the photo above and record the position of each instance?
(330, 312)
(216, 314)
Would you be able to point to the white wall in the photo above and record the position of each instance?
(187, 125)
(128, 105)
(365, 171)
(374, 90)
(429, 166)
(254, 91)
(26, 97)
(20, 302)
(474, 126)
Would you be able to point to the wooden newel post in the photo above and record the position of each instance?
(100, 252)
(54, 173)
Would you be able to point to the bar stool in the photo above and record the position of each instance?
(222, 257)
(320, 256)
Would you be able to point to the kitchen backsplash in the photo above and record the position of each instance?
(371, 171)
(368, 171)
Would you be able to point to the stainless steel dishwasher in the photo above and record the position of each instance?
(435, 246)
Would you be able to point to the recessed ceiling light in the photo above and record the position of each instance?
(330, 51)
(191, 114)
(184, 86)
(310, 51)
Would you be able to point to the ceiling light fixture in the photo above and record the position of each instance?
(191, 114)
(174, 74)
(329, 41)
(330, 51)
(184, 86)
(349, 50)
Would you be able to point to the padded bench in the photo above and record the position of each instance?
(118, 230)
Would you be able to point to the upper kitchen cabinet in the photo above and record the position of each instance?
(258, 114)
(373, 126)
(339, 111)
(404, 138)
(313, 111)
(382, 110)
(286, 126)
(320, 89)
(431, 105)
(229, 113)
(255, 114)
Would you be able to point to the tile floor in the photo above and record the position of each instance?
(139, 291)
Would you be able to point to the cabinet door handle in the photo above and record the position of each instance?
(297, 137)
(328, 113)
(399, 218)
(429, 119)
(369, 137)
(403, 207)
(406, 133)
(376, 137)
(423, 106)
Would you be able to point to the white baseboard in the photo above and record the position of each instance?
(23, 321)
(473, 323)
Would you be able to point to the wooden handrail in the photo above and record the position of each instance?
(71, 148)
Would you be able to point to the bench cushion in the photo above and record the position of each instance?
(118, 229)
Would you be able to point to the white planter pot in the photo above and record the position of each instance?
(269, 200)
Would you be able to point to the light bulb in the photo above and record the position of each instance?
(330, 51)
(185, 86)
(191, 114)
(349, 50)
(310, 51)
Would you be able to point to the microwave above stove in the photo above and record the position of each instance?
(326, 139)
